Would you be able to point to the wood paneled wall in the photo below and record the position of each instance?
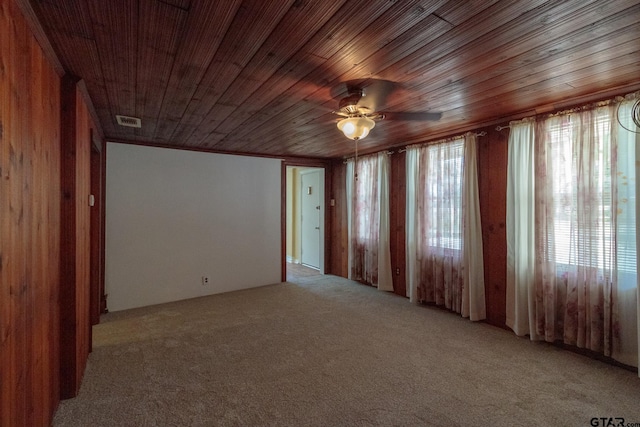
(75, 267)
(492, 186)
(492, 166)
(45, 131)
(397, 220)
(29, 225)
(338, 217)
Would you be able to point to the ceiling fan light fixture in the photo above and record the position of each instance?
(356, 127)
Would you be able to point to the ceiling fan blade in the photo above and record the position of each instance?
(344, 88)
(377, 93)
(420, 116)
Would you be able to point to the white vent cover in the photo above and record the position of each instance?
(132, 122)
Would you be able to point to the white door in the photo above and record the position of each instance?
(311, 215)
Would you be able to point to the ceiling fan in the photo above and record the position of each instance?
(359, 108)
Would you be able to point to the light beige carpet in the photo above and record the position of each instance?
(330, 352)
(296, 272)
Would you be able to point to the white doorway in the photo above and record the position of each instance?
(305, 217)
(310, 218)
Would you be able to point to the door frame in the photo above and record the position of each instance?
(325, 257)
(97, 302)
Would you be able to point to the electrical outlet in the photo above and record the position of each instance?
(205, 280)
(397, 271)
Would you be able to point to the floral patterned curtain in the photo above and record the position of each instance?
(584, 230)
(444, 242)
(574, 272)
(368, 219)
(440, 229)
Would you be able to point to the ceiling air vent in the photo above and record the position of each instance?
(132, 122)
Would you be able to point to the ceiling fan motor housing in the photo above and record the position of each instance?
(349, 104)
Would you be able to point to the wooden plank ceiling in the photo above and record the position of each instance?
(263, 76)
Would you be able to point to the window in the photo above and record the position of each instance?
(583, 193)
(365, 225)
(443, 190)
(444, 238)
(367, 184)
(571, 229)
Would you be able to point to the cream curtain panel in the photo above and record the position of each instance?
(627, 294)
(520, 227)
(412, 226)
(571, 231)
(369, 253)
(444, 239)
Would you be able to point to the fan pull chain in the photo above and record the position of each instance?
(355, 161)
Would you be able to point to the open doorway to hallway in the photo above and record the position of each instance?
(304, 221)
(296, 272)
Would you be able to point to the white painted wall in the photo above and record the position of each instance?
(173, 216)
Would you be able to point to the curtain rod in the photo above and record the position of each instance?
(516, 122)
(585, 107)
(367, 155)
(440, 141)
